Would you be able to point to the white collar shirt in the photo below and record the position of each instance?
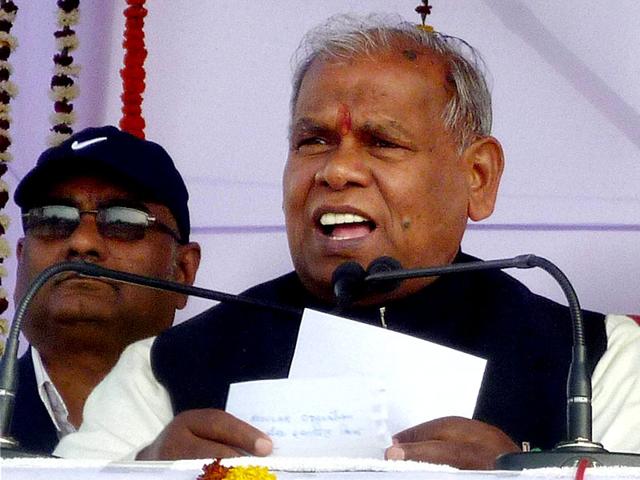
(50, 397)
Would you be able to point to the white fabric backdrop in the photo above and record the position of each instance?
(566, 104)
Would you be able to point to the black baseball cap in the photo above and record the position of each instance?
(143, 164)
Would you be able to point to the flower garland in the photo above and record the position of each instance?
(133, 73)
(216, 471)
(63, 88)
(8, 90)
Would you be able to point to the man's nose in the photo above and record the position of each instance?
(345, 167)
(86, 242)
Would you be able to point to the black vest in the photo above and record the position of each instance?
(31, 424)
(525, 338)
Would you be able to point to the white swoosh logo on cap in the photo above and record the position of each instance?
(76, 145)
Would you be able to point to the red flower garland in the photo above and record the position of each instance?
(133, 74)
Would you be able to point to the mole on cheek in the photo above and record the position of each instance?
(343, 120)
(406, 223)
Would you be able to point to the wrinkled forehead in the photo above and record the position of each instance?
(431, 66)
(391, 84)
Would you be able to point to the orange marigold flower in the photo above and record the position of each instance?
(215, 471)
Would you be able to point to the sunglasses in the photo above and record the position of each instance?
(56, 222)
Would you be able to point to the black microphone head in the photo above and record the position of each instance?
(381, 265)
(348, 282)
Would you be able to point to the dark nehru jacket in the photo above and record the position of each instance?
(31, 424)
(525, 338)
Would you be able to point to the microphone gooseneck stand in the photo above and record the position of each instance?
(9, 447)
(579, 445)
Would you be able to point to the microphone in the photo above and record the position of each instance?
(9, 447)
(348, 283)
(381, 265)
(579, 445)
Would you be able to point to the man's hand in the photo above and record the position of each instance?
(456, 441)
(206, 433)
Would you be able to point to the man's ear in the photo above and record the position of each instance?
(20, 287)
(19, 248)
(485, 160)
(187, 262)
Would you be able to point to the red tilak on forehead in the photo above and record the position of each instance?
(343, 120)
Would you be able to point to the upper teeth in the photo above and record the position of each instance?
(340, 218)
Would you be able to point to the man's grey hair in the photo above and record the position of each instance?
(343, 37)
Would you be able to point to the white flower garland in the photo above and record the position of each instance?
(63, 88)
(8, 90)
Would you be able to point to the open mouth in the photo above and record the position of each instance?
(344, 226)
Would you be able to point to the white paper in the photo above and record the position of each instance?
(343, 417)
(423, 380)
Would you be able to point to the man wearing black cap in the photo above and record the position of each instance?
(106, 197)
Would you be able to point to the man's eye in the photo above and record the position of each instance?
(311, 142)
(381, 143)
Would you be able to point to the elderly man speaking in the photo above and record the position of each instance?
(390, 154)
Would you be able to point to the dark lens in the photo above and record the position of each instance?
(52, 222)
(122, 223)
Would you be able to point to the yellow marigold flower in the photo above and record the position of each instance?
(217, 471)
(249, 473)
(425, 28)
